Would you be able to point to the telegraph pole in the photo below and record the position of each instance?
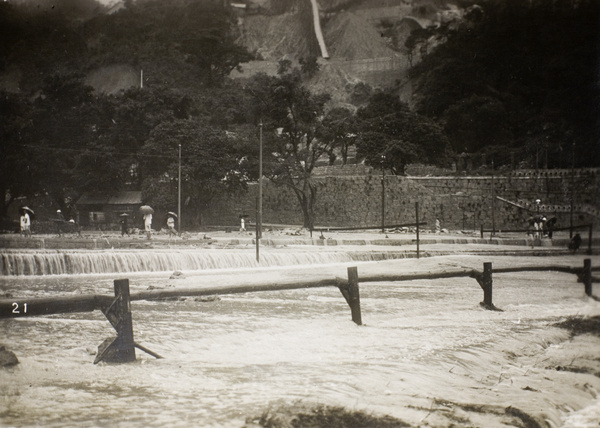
(493, 203)
(179, 194)
(572, 191)
(260, 180)
(382, 194)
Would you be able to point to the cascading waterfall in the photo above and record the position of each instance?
(65, 262)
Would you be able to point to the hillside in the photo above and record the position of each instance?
(365, 40)
(351, 37)
(359, 35)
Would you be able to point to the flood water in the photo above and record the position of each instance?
(423, 343)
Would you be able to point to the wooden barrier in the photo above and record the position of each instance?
(121, 349)
(387, 226)
(118, 309)
(351, 293)
(586, 276)
(589, 227)
(487, 285)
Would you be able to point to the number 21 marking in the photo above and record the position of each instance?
(16, 308)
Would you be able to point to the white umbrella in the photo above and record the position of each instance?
(146, 209)
(26, 208)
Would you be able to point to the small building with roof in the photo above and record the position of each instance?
(100, 209)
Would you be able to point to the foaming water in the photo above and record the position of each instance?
(64, 262)
(230, 358)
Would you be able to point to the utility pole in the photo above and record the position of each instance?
(179, 194)
(493, 203)
(260, 180)
(572, 191)
(382, 194)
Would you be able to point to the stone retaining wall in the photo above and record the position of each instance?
(459, 202)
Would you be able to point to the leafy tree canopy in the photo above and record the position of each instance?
(212, 162)
(62, 137)
(292, 118)
(519, 74)
(392, 136)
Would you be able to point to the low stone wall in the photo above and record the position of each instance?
(458, 202)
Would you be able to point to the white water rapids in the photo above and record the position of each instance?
(65, 262)
(428, 353)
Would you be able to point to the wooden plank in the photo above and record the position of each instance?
(20, 307)
(388, 226)
(565, 269)
(421, 275)
(236, 289)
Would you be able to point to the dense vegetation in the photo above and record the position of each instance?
(516, 76)
(511, 77)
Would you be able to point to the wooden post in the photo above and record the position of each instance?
(257, 231)
(493, 204)
(481, 231)
(589, 251)
(125, 328)
(417, 221)
(354, 295)
(383, 197)
(121, 349)
(351, 294)
(487, 285)
(587, 276)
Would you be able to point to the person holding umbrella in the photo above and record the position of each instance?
(25, 221)
(171, 224)
(147, 211)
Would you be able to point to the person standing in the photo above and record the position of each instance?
(25, 222)
(171, 226)
(550, 226)
(124, 228)
(60, 222)
(148, 224)
(575, 242)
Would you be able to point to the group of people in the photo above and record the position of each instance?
(148, 224)
(540, 226)
(62, 225)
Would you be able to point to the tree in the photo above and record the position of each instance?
(379, 150)
(531, 65)
(16, 166)
(205, 32)
(309, 66)
(211, 164)
(292, 118)
(477, 122)
(61, 128)
(389, 130)
(339, 127)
